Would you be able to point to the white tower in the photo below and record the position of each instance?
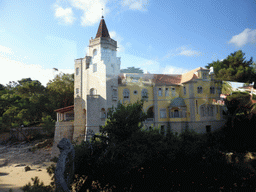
(96, 83)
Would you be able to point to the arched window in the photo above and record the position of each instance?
(212, 90)
(199, 90)
(206, 111)
(126, 94)
(210, 111)
(93, 91)
(202, 111)
(176, 113)
(173, 92)
(144, 94)
(166, 92)
(150, 112)
(103, 113)
(184, 90)
(94, 52)
(160, 92)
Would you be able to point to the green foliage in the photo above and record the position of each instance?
(234, 68)
(146, 160)
(124, 121)
(239, 102)
(36, 186)
(61, 90)
(226, 88)
(48, 125)
(27, 101)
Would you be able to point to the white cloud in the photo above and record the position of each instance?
(127, 60)
(173, 70)
(5, 50)
(65, 15)
(12, 70)
(119, 40)
(182, 51)
(247, 36)
(92, 10)
(136, 4)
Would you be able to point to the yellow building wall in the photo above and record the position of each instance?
(134, 98)
(163, 102)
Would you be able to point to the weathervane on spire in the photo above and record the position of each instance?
(102, 13)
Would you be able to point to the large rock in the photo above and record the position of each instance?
(64, 171)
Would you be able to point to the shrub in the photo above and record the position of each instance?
(36, 187)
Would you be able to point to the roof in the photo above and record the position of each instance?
(65, 109)
(190, 75)
(102, 30)
(167, 79)
(177, 102)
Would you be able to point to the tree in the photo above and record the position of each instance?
(61, 91)
(226, 88)
(234, 68)
(124, 121)
(29, 88)
(239, 102)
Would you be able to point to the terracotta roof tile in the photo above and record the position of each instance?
(102, 30)
(190, 75)
(167, 79)
(65, 109)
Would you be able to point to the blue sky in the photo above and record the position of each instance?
(170, 37)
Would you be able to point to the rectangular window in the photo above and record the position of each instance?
(77, 90)
(208, 128)
(94, 68)
(176, 114)
(204, 75)
(202, 110)
(166, 92)
(162, 113)
(173, 92)
(77, 71)
(196, 107)
(160, 92)
(210, 111)
(114, 94)
(212, 90)
(184, 90)
(199, 90)
(162, 129)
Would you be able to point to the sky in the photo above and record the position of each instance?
(158, 36)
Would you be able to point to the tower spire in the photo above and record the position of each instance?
(102, 30)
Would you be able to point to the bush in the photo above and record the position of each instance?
(36, 187)
(40, 187)
(48, 125)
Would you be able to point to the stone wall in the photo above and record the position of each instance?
(200, 126)
(62, 130)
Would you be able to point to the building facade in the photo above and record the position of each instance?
(173, 102)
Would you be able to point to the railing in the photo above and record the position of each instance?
(64, 171)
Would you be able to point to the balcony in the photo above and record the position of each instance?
(93, 96)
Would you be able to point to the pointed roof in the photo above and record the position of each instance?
(102, 30)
